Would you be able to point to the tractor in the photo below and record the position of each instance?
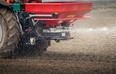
(28, 26)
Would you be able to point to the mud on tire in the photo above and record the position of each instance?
(10, 32)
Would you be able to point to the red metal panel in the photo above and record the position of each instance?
(52, 22)
(58, 7)
(68, 11)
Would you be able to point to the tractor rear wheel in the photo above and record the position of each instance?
(9, 32)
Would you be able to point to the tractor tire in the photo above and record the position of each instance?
(9, 32)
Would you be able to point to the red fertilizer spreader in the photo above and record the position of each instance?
(37, 22)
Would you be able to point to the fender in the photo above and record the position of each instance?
(3, 3)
